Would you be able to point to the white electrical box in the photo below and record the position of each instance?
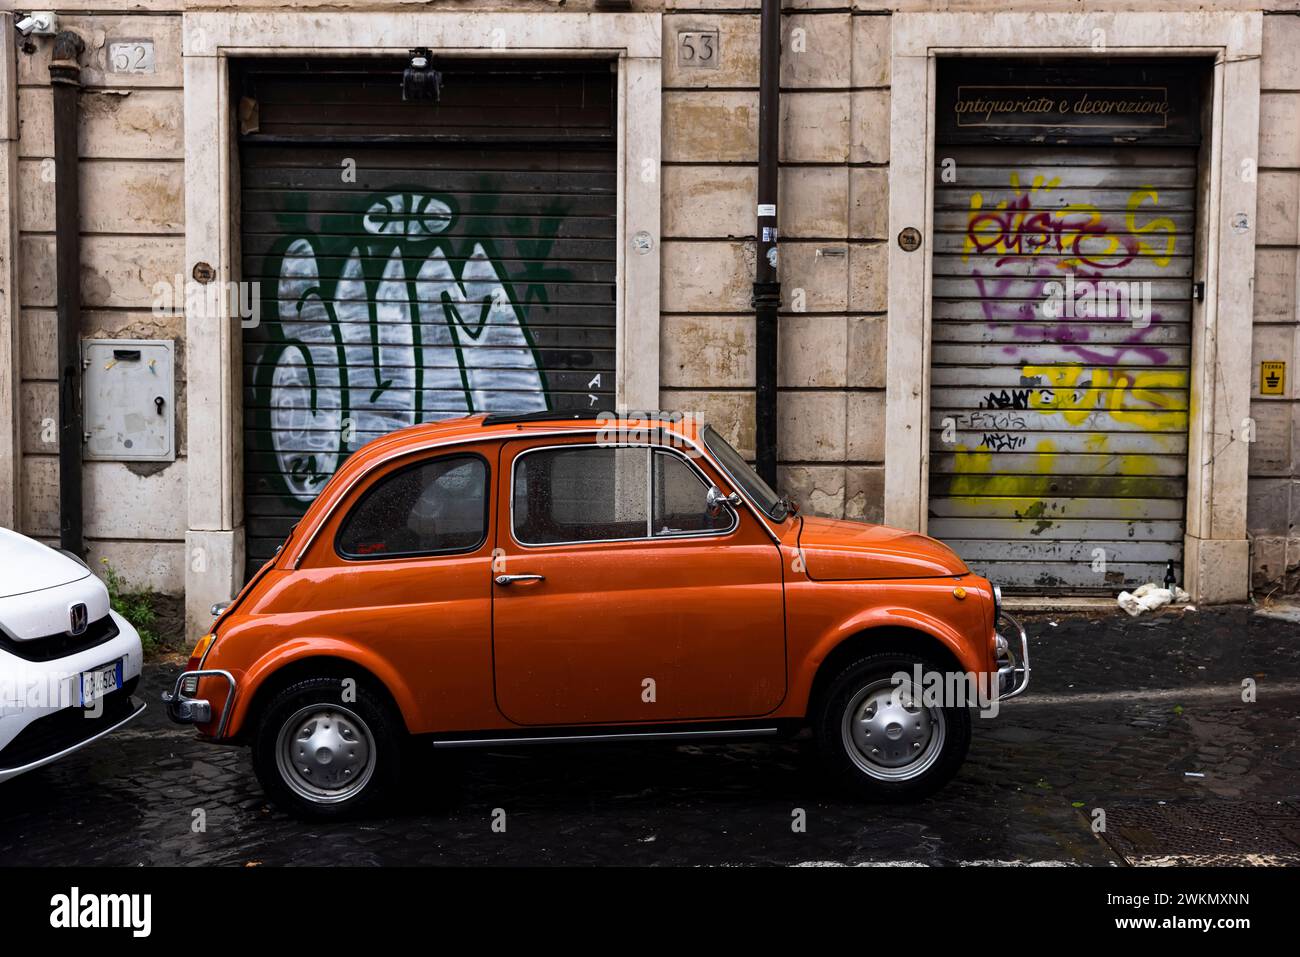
(128, 391)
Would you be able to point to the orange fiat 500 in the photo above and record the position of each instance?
(525, 579)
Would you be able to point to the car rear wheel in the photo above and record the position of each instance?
(881, 738)
(320, 753)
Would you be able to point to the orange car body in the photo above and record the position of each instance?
(730, 628)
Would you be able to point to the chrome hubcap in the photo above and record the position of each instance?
(326, 753)
(889, 735)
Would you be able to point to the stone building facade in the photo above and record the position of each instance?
(171, 159)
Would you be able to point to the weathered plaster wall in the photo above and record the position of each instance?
(834, 192)
(834, 152)
(1273, 510)
(132, 226)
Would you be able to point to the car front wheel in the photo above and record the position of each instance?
(322, 753)
(879, 735)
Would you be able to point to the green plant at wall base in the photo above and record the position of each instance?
(135, 606)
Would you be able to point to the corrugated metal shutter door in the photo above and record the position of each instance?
(1058, 416)
(417, 260)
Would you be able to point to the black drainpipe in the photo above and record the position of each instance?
(767, 288)
(65, 82)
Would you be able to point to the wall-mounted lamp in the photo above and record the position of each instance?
(420, 81)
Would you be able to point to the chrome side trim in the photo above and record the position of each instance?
(606, 738)
(11, 772)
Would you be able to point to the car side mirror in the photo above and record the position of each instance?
(715, 501)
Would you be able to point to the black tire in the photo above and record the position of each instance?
(319, 702)
(939, 756)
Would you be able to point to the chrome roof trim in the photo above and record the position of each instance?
(510, 435)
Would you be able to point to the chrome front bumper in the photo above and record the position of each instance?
(1013, 672)
(186, 710)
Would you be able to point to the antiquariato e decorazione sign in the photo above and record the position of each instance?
(1111, 103)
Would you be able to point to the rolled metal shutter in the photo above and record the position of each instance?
(417, 260)
(1058, 447)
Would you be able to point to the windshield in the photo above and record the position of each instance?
(738, 470)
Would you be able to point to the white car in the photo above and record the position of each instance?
(68, 664)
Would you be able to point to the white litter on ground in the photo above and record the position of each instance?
(1149, 597)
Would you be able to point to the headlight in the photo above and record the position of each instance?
(997, 603)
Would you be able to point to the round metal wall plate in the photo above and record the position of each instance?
(909, 239)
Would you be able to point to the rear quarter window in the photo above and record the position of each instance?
(435, 507)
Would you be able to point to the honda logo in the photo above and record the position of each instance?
(78, 619)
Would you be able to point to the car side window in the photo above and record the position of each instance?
(436, 507)
(603, 493)
(580, 494)
(679, 499)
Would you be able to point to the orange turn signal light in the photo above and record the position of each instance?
(200, 649)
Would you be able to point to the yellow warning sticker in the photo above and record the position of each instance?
(1272, 378)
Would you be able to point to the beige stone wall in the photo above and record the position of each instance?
(834, 197)
(833, 210)
(1274, 501)
(833, 216)
(132, 225)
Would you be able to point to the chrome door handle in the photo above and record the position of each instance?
(511, 579)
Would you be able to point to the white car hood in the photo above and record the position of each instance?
(26, 565)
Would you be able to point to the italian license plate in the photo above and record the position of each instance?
(99, 682)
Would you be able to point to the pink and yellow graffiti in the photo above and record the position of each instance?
(1014, 248)
(1076, 235)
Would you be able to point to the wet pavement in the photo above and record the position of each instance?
(1142, 720)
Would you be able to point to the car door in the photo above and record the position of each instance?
(403, 571)
(617, 598)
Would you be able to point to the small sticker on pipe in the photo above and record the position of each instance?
(767, 209)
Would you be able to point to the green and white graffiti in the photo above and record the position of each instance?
(363, 356)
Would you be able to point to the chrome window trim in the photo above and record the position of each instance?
(515, 435)
(704, 480)
(649, 536)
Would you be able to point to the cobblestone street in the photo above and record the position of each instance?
(1122, 714)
